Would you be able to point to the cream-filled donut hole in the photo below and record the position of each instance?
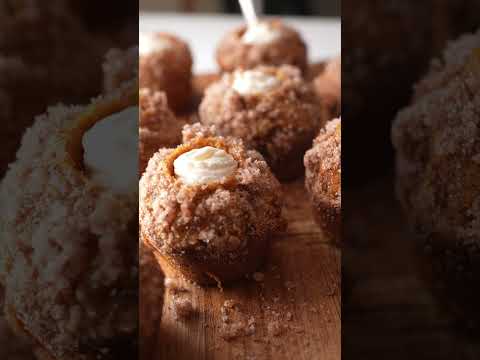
(111, 151)
(260, 33)
(254, 82)
(204, 166)
(151, 43)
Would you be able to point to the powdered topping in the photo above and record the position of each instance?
(254, 82)
(151, 43)
(260, 33)
(204, 166)
(110, 151)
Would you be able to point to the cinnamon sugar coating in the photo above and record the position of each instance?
(69, 258)
(158, 126)
(214, 232)
(289, 48)
(323, 178)
(328, 87)
(120, 66)
(437, 139)
(170, 71)
(280, 123)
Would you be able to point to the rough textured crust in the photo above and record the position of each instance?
(280, 124)
(169, 71)
(67, 242)
(328, 87)
(216, 232)
(158, 126)
(437, 139)
(288, 49)
(323, 178)
(120, 66)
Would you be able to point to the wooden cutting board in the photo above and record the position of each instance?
(291, 310)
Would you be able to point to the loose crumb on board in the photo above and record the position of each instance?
(183, 308)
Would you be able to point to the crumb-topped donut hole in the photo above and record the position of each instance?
(217, 226)
(69, 259)
(437, 140)
(120, 66)
(158, 126)
(273, 110)
(328, 87)
(270, 42)
(323, 179)
(166, 65)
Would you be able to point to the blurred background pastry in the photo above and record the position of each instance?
(272, 109)
(268, 42)
(166, 65)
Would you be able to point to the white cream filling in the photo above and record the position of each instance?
(254, 82)
(260, 33)
(111, 151)
(204, 166)
(151, 43)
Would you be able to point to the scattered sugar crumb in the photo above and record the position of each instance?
(274, 328)
(232, 331)
(183, 308)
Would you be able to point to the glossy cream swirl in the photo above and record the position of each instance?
(204, 166)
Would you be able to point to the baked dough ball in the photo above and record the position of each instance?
(323, 179)
(328, 87)
(209, 207)
(270, 42)
(272, 109)
(69, 258)
(166, 65)
(437, 139)
(158, 128)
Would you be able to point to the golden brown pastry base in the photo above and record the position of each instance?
(213, 272)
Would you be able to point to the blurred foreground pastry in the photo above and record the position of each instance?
(209, 207)
(166, 65)
(269, 42)
(323, 179)
(273, 110)
(69, 226)
(328, 87)
(437, 141)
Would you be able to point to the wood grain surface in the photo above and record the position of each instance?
(388, 311)
(291, 310)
